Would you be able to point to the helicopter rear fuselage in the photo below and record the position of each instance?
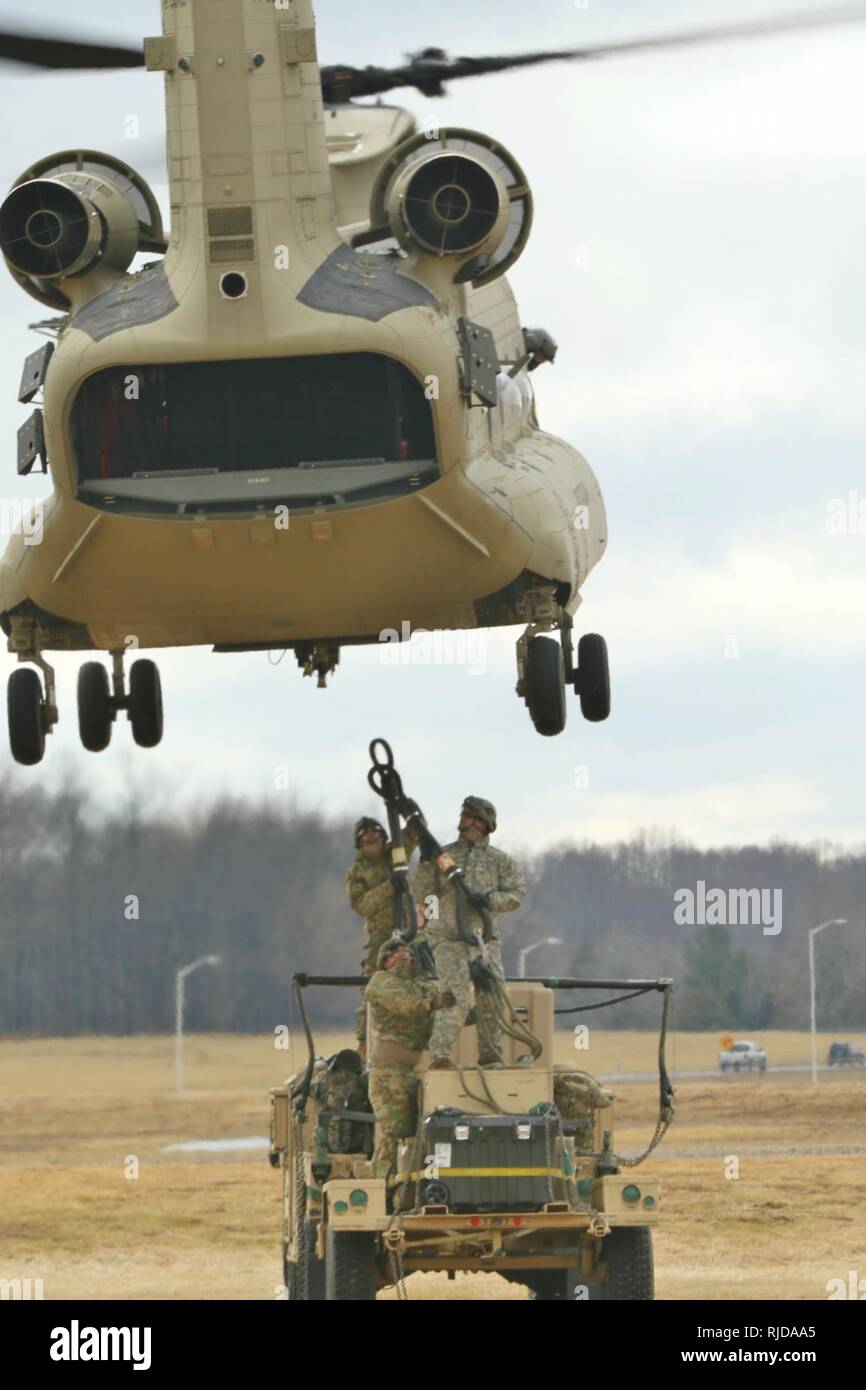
(303, 427)
(267, 436)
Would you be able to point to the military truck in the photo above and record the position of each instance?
(511, 1171)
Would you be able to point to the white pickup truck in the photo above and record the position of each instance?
(743, 1056)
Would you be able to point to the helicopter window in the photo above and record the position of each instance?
(256, 416)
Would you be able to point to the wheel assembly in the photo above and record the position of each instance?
(145, 704)
(350, 1266)
(545, 685)
(95, 708)
(628, 1253)
(592, 678)
(26, 721)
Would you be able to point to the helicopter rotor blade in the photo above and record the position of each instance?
(39, 52)
(429, 74)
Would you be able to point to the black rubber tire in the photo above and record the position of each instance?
(315, 1271)
(94, 707)
(592, 681)
(350, 1267)
(145, 704)
(545, 686)
(26, 727)
(553, 1285)
(628, 1253)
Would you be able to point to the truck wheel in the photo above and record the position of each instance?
(314, 1292)
(552, 1285)
(628, 1251)
(350, 1267)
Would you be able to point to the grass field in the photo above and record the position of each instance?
(78, 1115)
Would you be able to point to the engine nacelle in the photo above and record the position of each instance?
(72, 214)
(54, 228)
(458, 194)
(448, 205)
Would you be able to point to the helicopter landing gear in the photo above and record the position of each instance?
(32, 716)
(145, 704)
(545, 685)
(591, 680)
(545, 669)
(99, 704)
(541, 681)
(95, 709)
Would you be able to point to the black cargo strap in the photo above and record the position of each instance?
(386, 782)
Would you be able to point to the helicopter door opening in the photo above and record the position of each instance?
(245, 436)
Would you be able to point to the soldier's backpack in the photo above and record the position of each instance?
(577, 1096)
(339, 1085)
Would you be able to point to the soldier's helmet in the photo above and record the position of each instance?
(367, 823)
(392, 945)
(485, 810)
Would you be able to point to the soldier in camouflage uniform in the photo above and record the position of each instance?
(370, 887)
(496, 883)
(401, 1011)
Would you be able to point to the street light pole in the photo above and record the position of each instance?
(527, 950)
(835, 922)
(179, 987)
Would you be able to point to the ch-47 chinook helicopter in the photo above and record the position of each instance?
(309, 420)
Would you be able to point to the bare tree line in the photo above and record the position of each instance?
(96, 914)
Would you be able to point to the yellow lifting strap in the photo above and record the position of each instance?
(478, 1173)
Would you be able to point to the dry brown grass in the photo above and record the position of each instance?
(195, 1226)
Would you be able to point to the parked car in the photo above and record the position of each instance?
(845, 1054)
(743, 1056)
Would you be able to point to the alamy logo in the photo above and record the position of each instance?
(22, 517)
(441, 647)
(855, 1288)
(21, 1290)
(736, 907)
(77, 1343)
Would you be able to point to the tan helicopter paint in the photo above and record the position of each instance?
(247, 136)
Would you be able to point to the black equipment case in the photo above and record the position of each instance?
(517, 1151)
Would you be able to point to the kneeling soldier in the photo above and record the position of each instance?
(401, 1010)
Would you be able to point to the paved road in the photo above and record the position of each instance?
(765, 1151)
(709, 1075)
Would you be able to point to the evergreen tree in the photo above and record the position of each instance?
(715, 981)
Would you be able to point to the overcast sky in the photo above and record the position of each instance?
(698, 252)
